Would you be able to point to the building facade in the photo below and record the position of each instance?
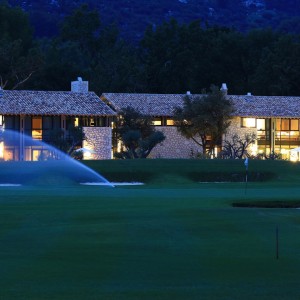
(34, 116)
(273, 119)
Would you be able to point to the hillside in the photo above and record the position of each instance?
(133, 16)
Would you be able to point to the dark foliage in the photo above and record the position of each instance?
(204, 119)
(135, 15)
(20, 58)
(268, 204)
(173, 57)
(67, 144)
(136, 133)
(236, 147)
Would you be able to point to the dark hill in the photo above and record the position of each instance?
(133, 16)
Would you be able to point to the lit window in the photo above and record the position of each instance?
(249, 122)
(76, 123)
(294, 134)
(37, 122)
(37, 134)
(156, 122)
(37, 128)
(285, 124)
(295, 125)
(278, 124)
(260, 124)
(9, 154)
(170, 122)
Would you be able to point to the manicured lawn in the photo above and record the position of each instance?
(169, 239)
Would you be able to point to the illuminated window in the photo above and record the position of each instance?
(278, 124)
(294, 134)
(76, 123)
(170, 122)
(37, 131)
(37, 122)
(40, 154)
(261, 124)
(285, 124)
(157, 122)
(295, 125)
(9, 154)
(249, 122)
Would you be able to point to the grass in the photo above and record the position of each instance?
(193, 170)
(173, 238)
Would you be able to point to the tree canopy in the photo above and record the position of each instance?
(19, 57)
(172, 57)
(137, 135)
(204, 119)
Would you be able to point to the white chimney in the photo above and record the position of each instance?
(248, 97)
(79, 86)
(224, 88)
(1, 91)
(188, 93)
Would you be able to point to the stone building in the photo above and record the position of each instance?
(37, 113)
(273, 119)
(161, 108)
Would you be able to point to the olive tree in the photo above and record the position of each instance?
(204, 119)
(136, 134)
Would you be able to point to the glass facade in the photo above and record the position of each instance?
(39, 128)
(278, 135)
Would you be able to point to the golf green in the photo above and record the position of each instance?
(173, 241)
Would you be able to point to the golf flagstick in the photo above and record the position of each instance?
(246, 176)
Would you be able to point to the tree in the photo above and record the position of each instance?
(204, 119)
(67, 144)
(171, 56)
(87, 49)
(136, 133)
(82, 27)
(237, 147)
(116, 66)
(19, 57)
(279, 68)
(72, 53)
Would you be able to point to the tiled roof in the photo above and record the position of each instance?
(247, 106)
(53, 103)
(149, 104)
(266, 106)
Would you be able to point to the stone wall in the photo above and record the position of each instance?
(235, 128)
(99, 141)
(175, 145)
